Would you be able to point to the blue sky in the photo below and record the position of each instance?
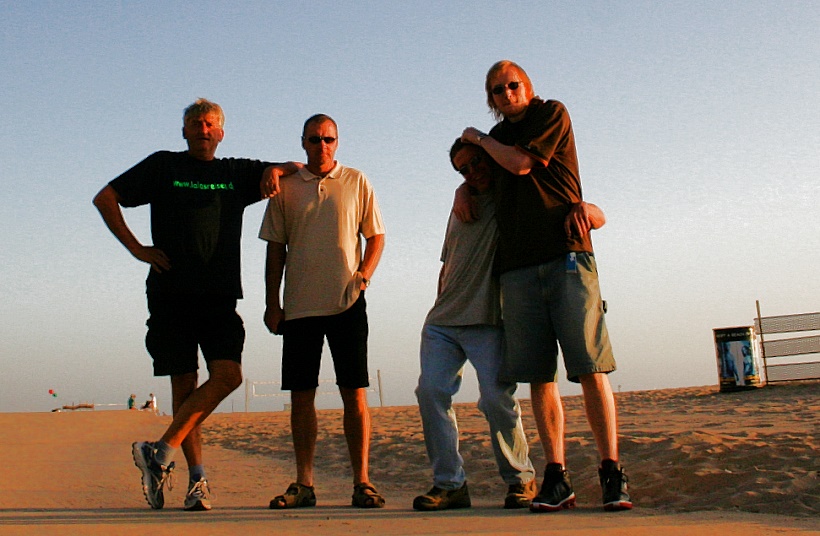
(696, 124)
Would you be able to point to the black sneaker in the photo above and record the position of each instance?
(614, 485)
(443, 499)
(556, 491)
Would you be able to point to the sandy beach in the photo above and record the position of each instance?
(699, 461)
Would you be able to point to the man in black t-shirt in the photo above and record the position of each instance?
(197, 202)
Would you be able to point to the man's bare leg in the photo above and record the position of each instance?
(357, 431)
(601, 414)
(182, 386)
(224, 377)
(549, 419)
(192, 405)
(555, 492)
(304, 427)
(599, 403)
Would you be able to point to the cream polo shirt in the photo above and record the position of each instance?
(322, 222)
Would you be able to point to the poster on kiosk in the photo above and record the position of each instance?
(738, 359)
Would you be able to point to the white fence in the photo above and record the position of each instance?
(255, 389)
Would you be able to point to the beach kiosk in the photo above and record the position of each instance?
(739, 361)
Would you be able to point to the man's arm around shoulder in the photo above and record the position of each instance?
(582, 218)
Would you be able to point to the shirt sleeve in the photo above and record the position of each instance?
(273, 223)
(547, 132)
(249, 173)
(371, 220)
(136, 185)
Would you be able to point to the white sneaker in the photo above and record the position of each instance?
(154, 475)
(198, 497)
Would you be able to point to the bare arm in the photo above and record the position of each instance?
(464, 205)
(274, 269)
(107, 202)
(507, 156)
(372, 254)
(582, 218)
(269, 185)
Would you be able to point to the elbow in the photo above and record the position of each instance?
(520, 166)
(105, 198)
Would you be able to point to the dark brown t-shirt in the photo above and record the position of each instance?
(530, 209)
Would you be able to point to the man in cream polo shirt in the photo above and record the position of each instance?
(315, 227)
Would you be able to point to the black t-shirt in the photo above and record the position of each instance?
(196, 218)
(531, 209)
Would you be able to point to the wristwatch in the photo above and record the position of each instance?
(366, 282)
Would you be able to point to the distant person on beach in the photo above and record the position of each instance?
(465, 325)
(548, 277)
(151, 403)
(197, 202)
(132, 402)
(314, 227)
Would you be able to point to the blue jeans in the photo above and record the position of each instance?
(444, 351)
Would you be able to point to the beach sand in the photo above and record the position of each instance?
(699, 462)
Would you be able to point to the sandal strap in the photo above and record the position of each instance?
(296, 496)
(296, 488)
(362, 487)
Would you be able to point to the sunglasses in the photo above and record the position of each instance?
(476, 160)
(499, 89)
(319, 139)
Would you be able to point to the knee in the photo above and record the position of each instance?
(428, 392)
(227, 379)
(596, 380)
(354, 399)
(495, 399)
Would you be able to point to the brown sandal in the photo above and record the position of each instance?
(366, 496)
(297, 496)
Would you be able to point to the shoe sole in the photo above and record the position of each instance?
(516, 502)
(566, 504)
(146, 480)
(276, 506)
(617, 506)
(198, 507)
(436, 508)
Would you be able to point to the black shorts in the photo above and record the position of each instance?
(303, 339)
(180, 324)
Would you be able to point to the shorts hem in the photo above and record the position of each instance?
(575, 378)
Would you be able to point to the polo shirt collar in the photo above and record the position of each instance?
(334, 173)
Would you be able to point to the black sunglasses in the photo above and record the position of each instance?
(499, 89)
(476, 160)
(318, 139)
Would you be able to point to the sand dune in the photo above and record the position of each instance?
(699, 461)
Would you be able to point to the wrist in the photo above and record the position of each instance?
(365, 279)
(479, 138)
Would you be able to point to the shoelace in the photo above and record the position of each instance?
(199, 490)
(167, 477)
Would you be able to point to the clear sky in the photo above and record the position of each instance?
(697, 126)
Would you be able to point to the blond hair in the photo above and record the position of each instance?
(494, 70)
(202, 107)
